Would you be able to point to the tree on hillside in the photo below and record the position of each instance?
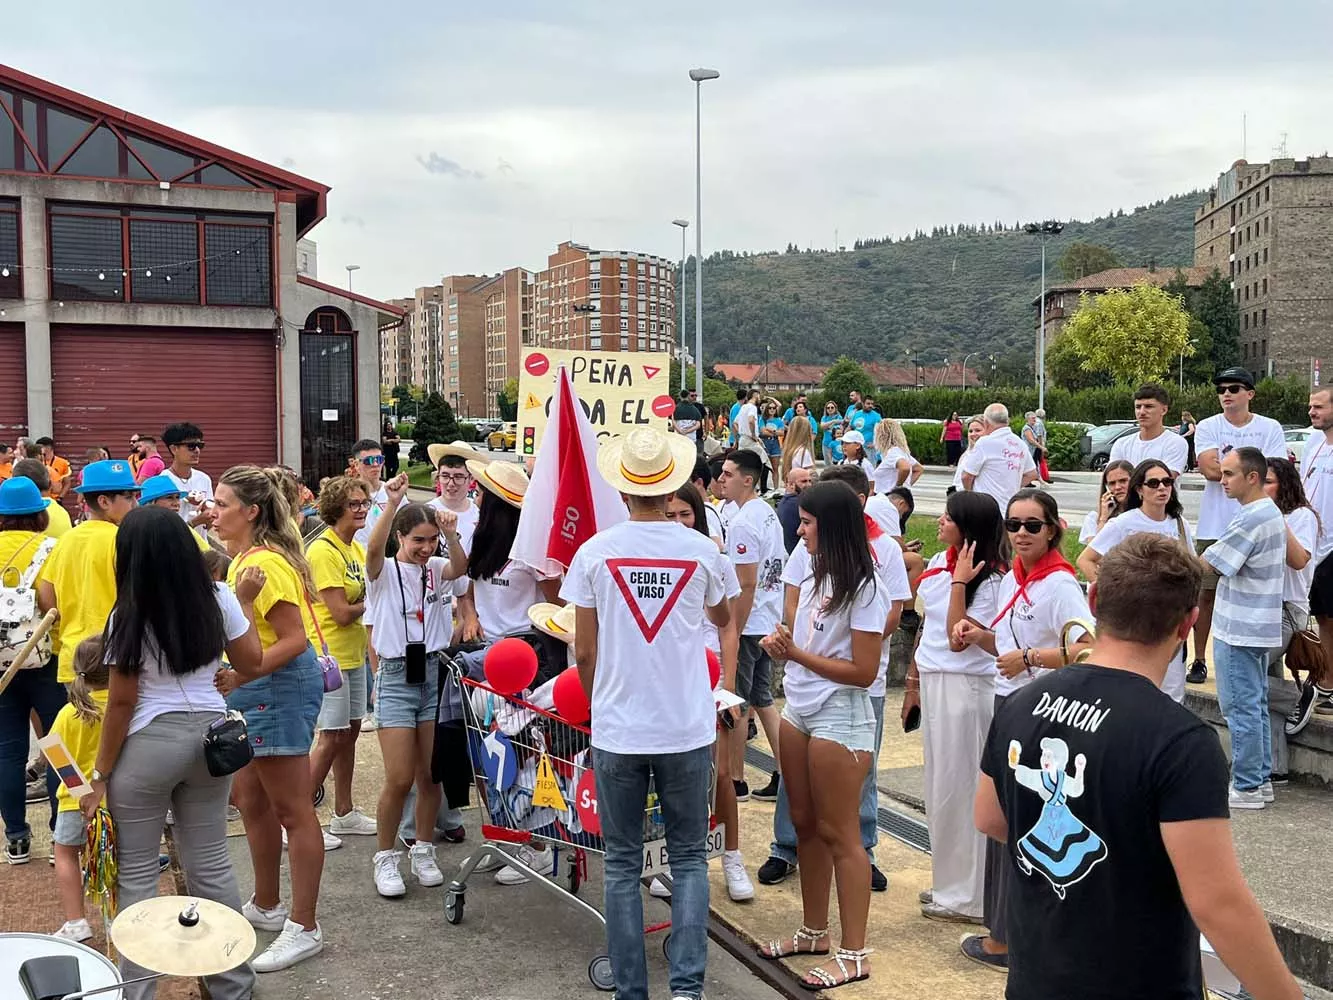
(842, 377)
(435, 425)
(1133, 334)
(1082, 259)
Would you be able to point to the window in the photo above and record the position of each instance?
(1265, 346)
(1246, 319)
(1265, 255)
(11, 284)
(87, 259)
(161, 246)
(1210, 250)
(1265, 286)
(652, 327)
(238, 269)
(1265, 225)
(595, 285)
(595, 343)
(1245, 351)
(642, 269)
(1247, 292)
(595, 324)
(1265, 317)
(1266, 192)
(624, 324)
(652, 271)
(624, 267)
(643, 326)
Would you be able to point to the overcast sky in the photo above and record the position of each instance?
(473, 137)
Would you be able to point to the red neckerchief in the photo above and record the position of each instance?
(873, 530)
(1048, 565)
(950, 561)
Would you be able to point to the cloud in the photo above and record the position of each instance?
(437, 164)
(503, 166)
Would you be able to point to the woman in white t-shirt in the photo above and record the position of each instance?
(975, 429)
(1283, 486)
(1110, 499)
(896, 466)
(410, 599)
(952, 686)
(1037, 596)
(798, 447)
(165, 639)
(828, 726)
(1152, 507)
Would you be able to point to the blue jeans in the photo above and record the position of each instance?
(682, 782)
(784, 834)
(32, 690)
(1242, 694)
(445, 819)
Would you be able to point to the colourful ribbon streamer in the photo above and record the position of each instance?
(100, 867)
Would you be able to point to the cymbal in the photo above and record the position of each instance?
(183, 936)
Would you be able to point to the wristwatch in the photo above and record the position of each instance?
(97, 775)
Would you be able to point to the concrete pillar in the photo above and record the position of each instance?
(36, 312)
(289, 360)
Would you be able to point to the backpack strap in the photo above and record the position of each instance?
(38, 560)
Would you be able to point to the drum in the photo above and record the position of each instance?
(95, 969)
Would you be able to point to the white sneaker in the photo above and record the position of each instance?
(265, 920)
(74, 930)
(294, 944)
(1266, 791)
(354, 824)
(331, 843)
(388, 879)
(658, 889)
(368, 724)
(422, 858)
(542, 862)
(739, 886)
(1253, 799)
(233, 814)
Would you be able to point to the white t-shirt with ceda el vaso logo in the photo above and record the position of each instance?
(754, 537)
(421, 611)
(649, 583)
(1216, 433)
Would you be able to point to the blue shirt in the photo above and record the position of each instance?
(865, 421)
(731, 420)
(1250, 558)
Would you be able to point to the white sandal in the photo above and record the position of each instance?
(826, 980)
(773, 950)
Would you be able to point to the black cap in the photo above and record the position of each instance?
(1235, 375)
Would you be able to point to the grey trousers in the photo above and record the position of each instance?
(162, 767)
(999, 870)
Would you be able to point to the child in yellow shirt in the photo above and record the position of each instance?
(79, 725)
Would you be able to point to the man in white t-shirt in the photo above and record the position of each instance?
(755, 547)
(1317, 478)
(1216, 437)
(641, 591)
(747, 426)
(450, 461)
(999, 464)
(185, 444)
(1153, 439)
(367, 463)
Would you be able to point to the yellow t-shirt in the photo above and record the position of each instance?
(58, 521)
(16, 551)
(81, 739)
(82, 569)
(334, 564)
(281, 583)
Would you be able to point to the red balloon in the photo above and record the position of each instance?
(510, 664)
(571, 703)
(714, 669)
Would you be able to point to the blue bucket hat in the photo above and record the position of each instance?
(19, 495)
(157, 487)
(112, 476)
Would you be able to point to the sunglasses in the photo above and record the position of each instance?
(1228, 390)
(192, 445)
(1031, 525)
(372, 460)
(1155, 483)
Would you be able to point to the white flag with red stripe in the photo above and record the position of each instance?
(567, 501)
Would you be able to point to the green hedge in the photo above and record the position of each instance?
(467, 432)
(405, 431)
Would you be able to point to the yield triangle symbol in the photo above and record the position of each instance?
(650, 371)
(651, 588)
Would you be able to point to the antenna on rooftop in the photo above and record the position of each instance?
(1280, 150)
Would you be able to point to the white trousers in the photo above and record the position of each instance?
(956, 712)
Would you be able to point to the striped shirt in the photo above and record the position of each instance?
(1250, 557)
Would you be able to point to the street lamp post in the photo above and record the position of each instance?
(1045, 230)
(767, 351)
(350, 268)
(680, 315)
(699, 76)
(962, 377)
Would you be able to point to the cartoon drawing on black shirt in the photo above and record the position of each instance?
(1059, 845)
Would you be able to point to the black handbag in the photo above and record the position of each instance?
(227, 746)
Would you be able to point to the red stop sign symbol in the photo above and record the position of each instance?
(537, 364)
(585, 803)
(664, 406)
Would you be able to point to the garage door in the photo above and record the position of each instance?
(111, 382)
(13, 382)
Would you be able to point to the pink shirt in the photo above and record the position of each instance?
(152, 466)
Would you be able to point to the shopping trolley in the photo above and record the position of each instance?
(535, 780)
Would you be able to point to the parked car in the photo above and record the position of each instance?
(485, 427)
(1296, 442)
(1095, 444)
(504, 439)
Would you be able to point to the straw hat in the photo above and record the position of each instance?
(506, 480)
(554, 620)
(647, 462)
(459, 449)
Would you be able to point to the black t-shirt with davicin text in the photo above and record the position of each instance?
(1088, 762)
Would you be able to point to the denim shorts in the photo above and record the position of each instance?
(280, 710)
(70, 830)
(847, 717)
(754, 673)
(347, 703)
(400, 705)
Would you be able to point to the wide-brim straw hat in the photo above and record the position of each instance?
(554, 620)
(506, 480)
(647, 462)
(459, 449)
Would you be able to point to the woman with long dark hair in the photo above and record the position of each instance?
(1037, 596)
(1111, 499)
(952, 687)
(281, 702)
(1284, 488)
(952, 436)
(164, 642)
(828, 728)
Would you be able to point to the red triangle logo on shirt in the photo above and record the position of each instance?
(651, 587)
(650, 371)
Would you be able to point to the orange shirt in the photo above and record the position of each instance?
(6, 471)
(59, 470)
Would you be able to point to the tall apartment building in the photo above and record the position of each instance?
(1270, 226)
(396, 347)
(464, 343)
(605, 300)
(507, 310)
(427, 358)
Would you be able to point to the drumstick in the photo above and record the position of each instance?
(42, 628)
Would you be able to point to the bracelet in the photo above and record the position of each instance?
(960, 583)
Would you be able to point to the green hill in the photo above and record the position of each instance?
(946, 294)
